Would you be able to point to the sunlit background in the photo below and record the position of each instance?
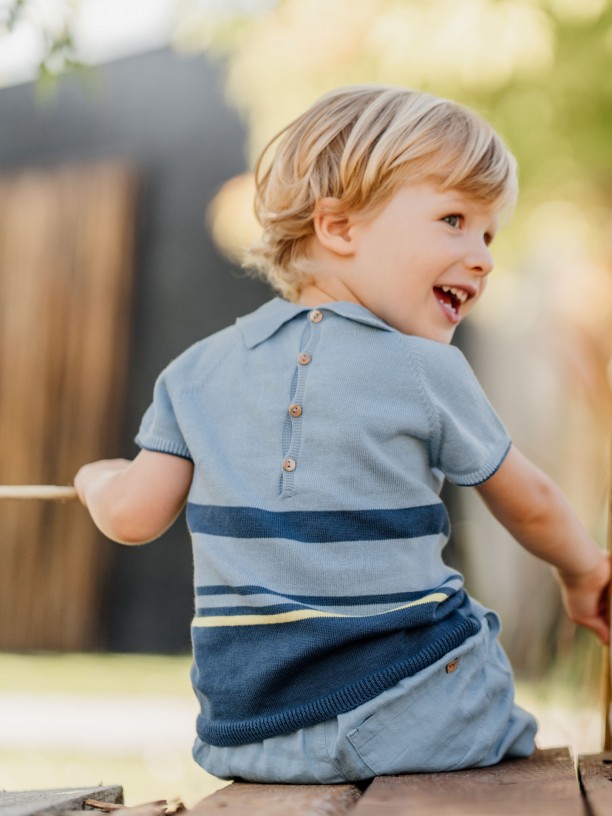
(541, 341)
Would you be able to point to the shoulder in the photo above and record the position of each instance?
(436, 362)
(446, 380)
(196, 362)
(431, 351)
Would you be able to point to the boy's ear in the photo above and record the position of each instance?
(333, 227)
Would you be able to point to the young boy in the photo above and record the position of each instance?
(310, 441)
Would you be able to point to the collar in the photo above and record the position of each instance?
(268, 319)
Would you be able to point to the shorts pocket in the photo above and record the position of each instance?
(443, 718)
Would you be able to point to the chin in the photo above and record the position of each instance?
(439, 336)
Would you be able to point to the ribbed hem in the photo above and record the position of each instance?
(156, 443)
(346, 699)
(485, 472)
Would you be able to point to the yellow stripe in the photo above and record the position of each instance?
(302, 614)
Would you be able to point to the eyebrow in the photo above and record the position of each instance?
(456, 198)
(461, 199)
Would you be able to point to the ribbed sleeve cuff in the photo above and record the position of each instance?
(474, 478)
(156, 443)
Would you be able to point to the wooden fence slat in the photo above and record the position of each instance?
(246, 799)
(595, 774)
(66, 269)
(543, 785)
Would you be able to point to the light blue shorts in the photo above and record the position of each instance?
(437, 720)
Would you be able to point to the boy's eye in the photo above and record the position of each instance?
(453, 220)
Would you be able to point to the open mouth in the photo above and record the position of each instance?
(451, 298)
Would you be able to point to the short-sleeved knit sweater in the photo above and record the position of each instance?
(320, 440)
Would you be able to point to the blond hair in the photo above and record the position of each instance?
(359, 145)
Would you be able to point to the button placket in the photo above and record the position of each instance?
(295, 408)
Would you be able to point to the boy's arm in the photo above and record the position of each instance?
(533, 509)
(133, 502)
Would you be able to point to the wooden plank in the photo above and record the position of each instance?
(595, 775)
(543, 785)
(33, 803)
(246, 799)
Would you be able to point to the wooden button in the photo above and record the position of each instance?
(295, 410)
(289, 465)
(304, 358)
(315, 316)
(452, 666)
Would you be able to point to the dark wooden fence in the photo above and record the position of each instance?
(66, 260)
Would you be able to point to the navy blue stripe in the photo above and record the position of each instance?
(212, 611)
(318, 527)
(343, 662)
(323, 600)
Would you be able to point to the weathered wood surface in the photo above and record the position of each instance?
(28, 803)
(544, 785)
(243, 798)
(595, 774)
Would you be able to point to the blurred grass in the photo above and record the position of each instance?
(155, 769)
(144, 779)
(95, 674)
(162, 768)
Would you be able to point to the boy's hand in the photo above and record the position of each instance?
(586, 598)
(91, 472)
(133, 502)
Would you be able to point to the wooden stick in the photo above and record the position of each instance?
(37, 492)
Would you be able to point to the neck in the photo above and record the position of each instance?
(316, 293)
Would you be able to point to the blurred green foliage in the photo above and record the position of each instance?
(55, 29)
(540, 70)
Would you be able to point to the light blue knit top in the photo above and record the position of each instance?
(320, 440)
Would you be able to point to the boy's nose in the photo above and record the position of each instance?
(479, 259)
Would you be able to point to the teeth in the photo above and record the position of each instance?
(460, 294)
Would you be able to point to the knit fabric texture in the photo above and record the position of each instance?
(320, 440)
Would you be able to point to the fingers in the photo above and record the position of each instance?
(79, 484)
(90, 472)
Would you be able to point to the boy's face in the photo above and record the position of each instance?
(422, 262)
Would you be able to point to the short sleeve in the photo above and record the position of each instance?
(469, 441)
(159, 429)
